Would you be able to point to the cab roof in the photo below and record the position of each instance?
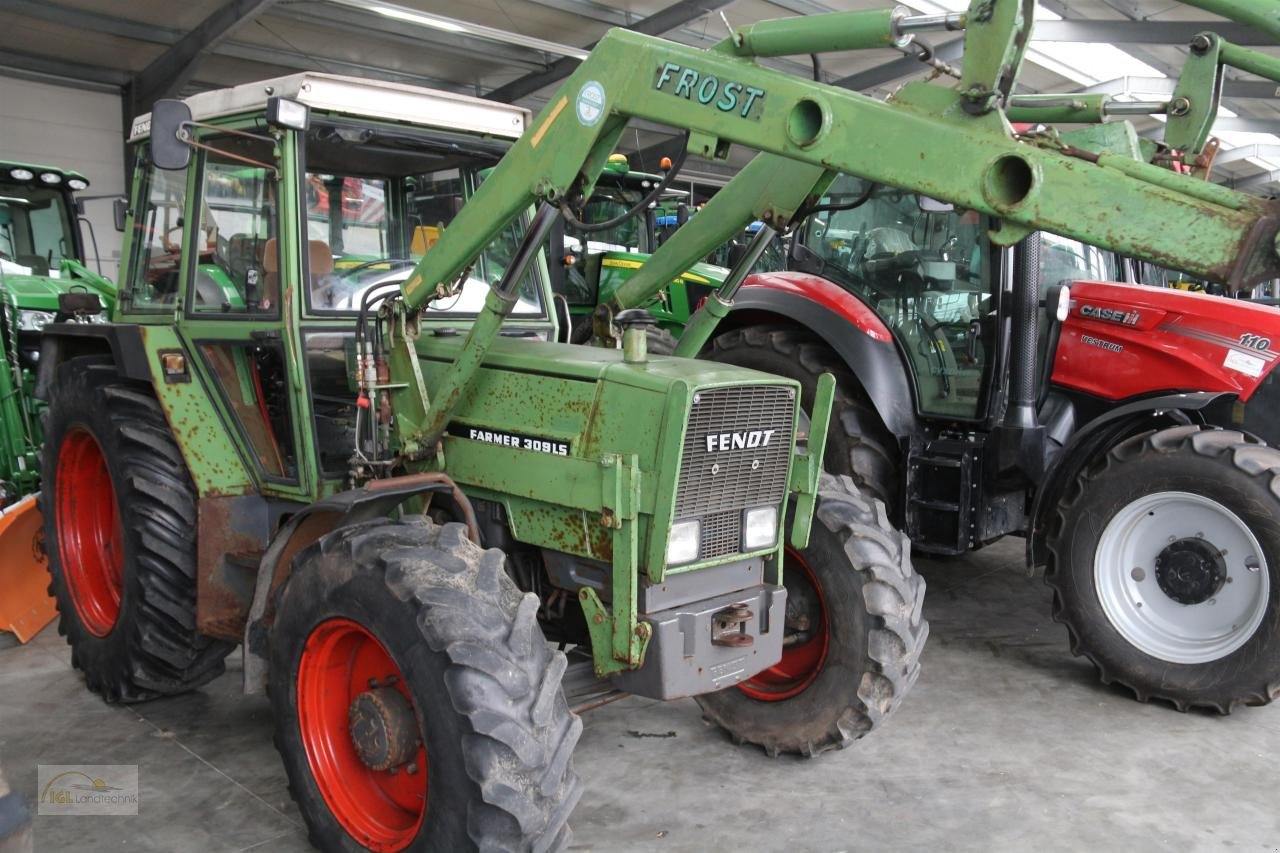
(354, 96)
(35, 168)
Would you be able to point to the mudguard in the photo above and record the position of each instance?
(62, 341)
(1098, 435)
(846, 324)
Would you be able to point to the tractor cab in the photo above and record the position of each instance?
(933, 277)
(280, 226)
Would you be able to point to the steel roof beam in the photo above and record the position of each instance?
(30, 66)
(1243, 152)
(170, 71)
(656, 24)
(1143, 32)
(455, 44)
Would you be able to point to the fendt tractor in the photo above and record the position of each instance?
(980, 395)
(394, 497)
(399, 494)
(41, 267)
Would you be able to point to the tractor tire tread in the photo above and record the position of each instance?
(163, 652)
(1245, 453)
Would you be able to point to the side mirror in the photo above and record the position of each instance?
(1057, 301)
(932, 205)
(119, 212)
(169, 135)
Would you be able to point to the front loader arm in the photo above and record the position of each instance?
(927, 139)
(922, 140)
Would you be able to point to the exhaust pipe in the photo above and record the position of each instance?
(1021, 412)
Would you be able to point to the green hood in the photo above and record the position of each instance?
(40, 292)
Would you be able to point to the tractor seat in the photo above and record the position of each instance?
(319, 264)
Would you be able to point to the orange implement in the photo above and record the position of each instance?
(25, 603)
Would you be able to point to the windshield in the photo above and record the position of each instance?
(925, 272)
(1063, 259)
(375, 205)
(613, 197)
(35, 229)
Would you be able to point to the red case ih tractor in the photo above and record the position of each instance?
(1120, 433)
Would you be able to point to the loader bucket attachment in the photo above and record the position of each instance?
(25, 603)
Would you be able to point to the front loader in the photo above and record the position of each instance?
(393, 501)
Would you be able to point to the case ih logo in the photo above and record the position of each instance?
(1111, 315)
(739, 440)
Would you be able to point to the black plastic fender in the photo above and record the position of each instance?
(877, 365)
(62, 341)
(1096, 437)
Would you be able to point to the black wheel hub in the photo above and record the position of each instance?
(383, 728)
(1190, 571)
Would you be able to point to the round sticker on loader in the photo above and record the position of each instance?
(590, 103)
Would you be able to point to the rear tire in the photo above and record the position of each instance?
(855, 594)
(496, 735)
(1137, 575)
(119, 514)
(858, 445)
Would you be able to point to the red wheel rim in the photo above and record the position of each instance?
(801, 662)
(90, 540)
(380, 810)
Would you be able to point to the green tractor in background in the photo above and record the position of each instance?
(42, 278)
(609, 244)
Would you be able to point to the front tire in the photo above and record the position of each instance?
(1164, 560)
(466, 686)
(119, 510)
(855, 630)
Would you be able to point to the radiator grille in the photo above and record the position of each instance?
(716, 485)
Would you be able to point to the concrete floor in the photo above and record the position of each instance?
(1007, 743)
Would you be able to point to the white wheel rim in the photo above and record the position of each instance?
(1125, 578)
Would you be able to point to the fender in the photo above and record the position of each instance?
(377, 499)
(1096, 437)
(62, 341)
(845, 323)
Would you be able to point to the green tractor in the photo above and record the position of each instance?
(615, 235)
(393, 497)
(42, 279)
(41, 259)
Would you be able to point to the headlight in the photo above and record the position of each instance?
(684, 542)
(30, 320)
(21, 174)
(759, 528)
(77, 184)
(50, 178)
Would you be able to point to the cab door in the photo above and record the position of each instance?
(238, 316)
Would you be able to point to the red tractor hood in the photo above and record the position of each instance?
(1127, 340)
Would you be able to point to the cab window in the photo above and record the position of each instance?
(237, 270)
(375, 204)
(152, 282)
(925, 270)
